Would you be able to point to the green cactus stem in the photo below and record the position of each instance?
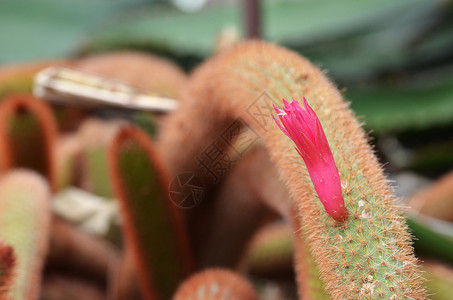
(370, 255)
(27, 136)
(152, 223)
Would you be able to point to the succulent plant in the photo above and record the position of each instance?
(367, 257)
(24, 224)
(27, 122)
(152, 223)
(216, 284)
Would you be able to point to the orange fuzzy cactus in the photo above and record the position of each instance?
(27, 136)
(216, 284)
(369, 256)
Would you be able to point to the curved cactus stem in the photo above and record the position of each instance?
(152, 224)
(24, 224)
(27, 136)
(370, 255)
(216, 284)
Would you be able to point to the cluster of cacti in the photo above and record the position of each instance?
(195, 226)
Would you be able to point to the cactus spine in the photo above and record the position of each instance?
(153, 225)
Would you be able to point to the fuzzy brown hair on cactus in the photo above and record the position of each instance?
(27, 136)
(216, 284)
(367, 257)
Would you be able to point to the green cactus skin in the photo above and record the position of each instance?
(24, 224)
(27, 136)
(367, 257)
(152, 224)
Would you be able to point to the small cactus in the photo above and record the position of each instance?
(27, 122)
(216, 284)
(24, 224)
(152, 224)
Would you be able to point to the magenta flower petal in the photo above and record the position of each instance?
(303, 127)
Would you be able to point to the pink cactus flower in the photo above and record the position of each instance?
(304, 128)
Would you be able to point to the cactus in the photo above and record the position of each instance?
(24, 224)
(95, 137)
(368, 257)
(7, 265)
(435, 201)
(216, 284)
(27, 122)
(152, 224)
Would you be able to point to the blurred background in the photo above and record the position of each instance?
(393, 60)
